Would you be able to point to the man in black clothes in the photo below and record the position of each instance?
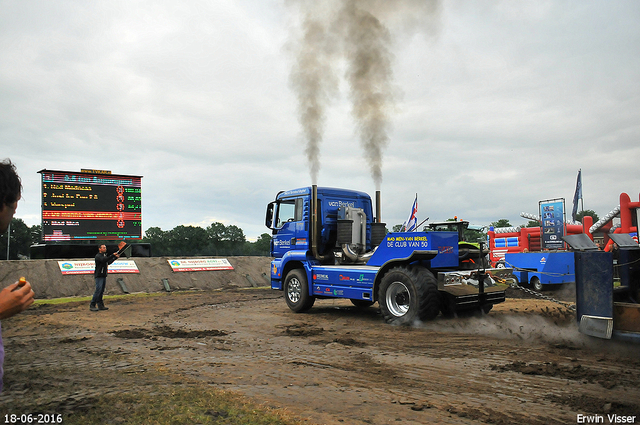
(100, 275)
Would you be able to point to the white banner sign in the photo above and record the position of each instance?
(89, 266)
(200, 264)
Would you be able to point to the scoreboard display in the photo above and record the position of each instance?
(90, 205)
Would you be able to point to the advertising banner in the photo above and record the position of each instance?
(552, 215)
(200, 264)
(89, 266)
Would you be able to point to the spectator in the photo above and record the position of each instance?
(16, 297)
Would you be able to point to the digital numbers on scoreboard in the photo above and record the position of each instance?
(90, 205)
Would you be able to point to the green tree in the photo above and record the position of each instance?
(397, 228)
(234, 239)
(591, 213)
(19, 235)
(503, 222)
(262, 245)
(155, 236)
(215, 231)
(187, 240)
(226, 240)
(36, 234)
(215, 236)
(475, 235)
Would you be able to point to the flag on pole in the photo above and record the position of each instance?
(577, 195)
(412, 222)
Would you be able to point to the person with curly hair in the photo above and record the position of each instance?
(18, 296)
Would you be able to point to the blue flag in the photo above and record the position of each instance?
(577, 195)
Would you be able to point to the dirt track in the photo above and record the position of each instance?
(525, 362)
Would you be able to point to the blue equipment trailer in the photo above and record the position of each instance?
(542, 269)
(327, 244)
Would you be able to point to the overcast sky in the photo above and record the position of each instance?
(498, 104)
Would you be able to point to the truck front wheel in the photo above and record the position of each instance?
(408, 294)
(536, 284)
(296, 291)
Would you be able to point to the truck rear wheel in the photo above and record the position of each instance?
(408, 294)
(296, 291)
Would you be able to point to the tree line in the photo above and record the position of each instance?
(217, 239)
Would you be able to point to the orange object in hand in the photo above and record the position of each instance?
(21, 283)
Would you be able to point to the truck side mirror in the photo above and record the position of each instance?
(268, 221)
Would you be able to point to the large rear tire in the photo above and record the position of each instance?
(296, 291)
(408, 294)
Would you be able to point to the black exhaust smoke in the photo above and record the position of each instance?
(360, 33)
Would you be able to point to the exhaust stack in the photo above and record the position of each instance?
(314, 223)
(378, 229)
(314, 220)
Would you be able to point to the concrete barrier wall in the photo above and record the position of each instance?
(48, 281)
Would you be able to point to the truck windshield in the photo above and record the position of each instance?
(286, 212)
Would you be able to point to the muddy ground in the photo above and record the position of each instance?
(523, 363)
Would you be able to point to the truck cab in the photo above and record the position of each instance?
(290, 217)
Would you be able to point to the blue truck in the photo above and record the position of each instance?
(327, 243)
(541, 270)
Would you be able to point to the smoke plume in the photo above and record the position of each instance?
(358, 32)
(314, 82)
(368, 53)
